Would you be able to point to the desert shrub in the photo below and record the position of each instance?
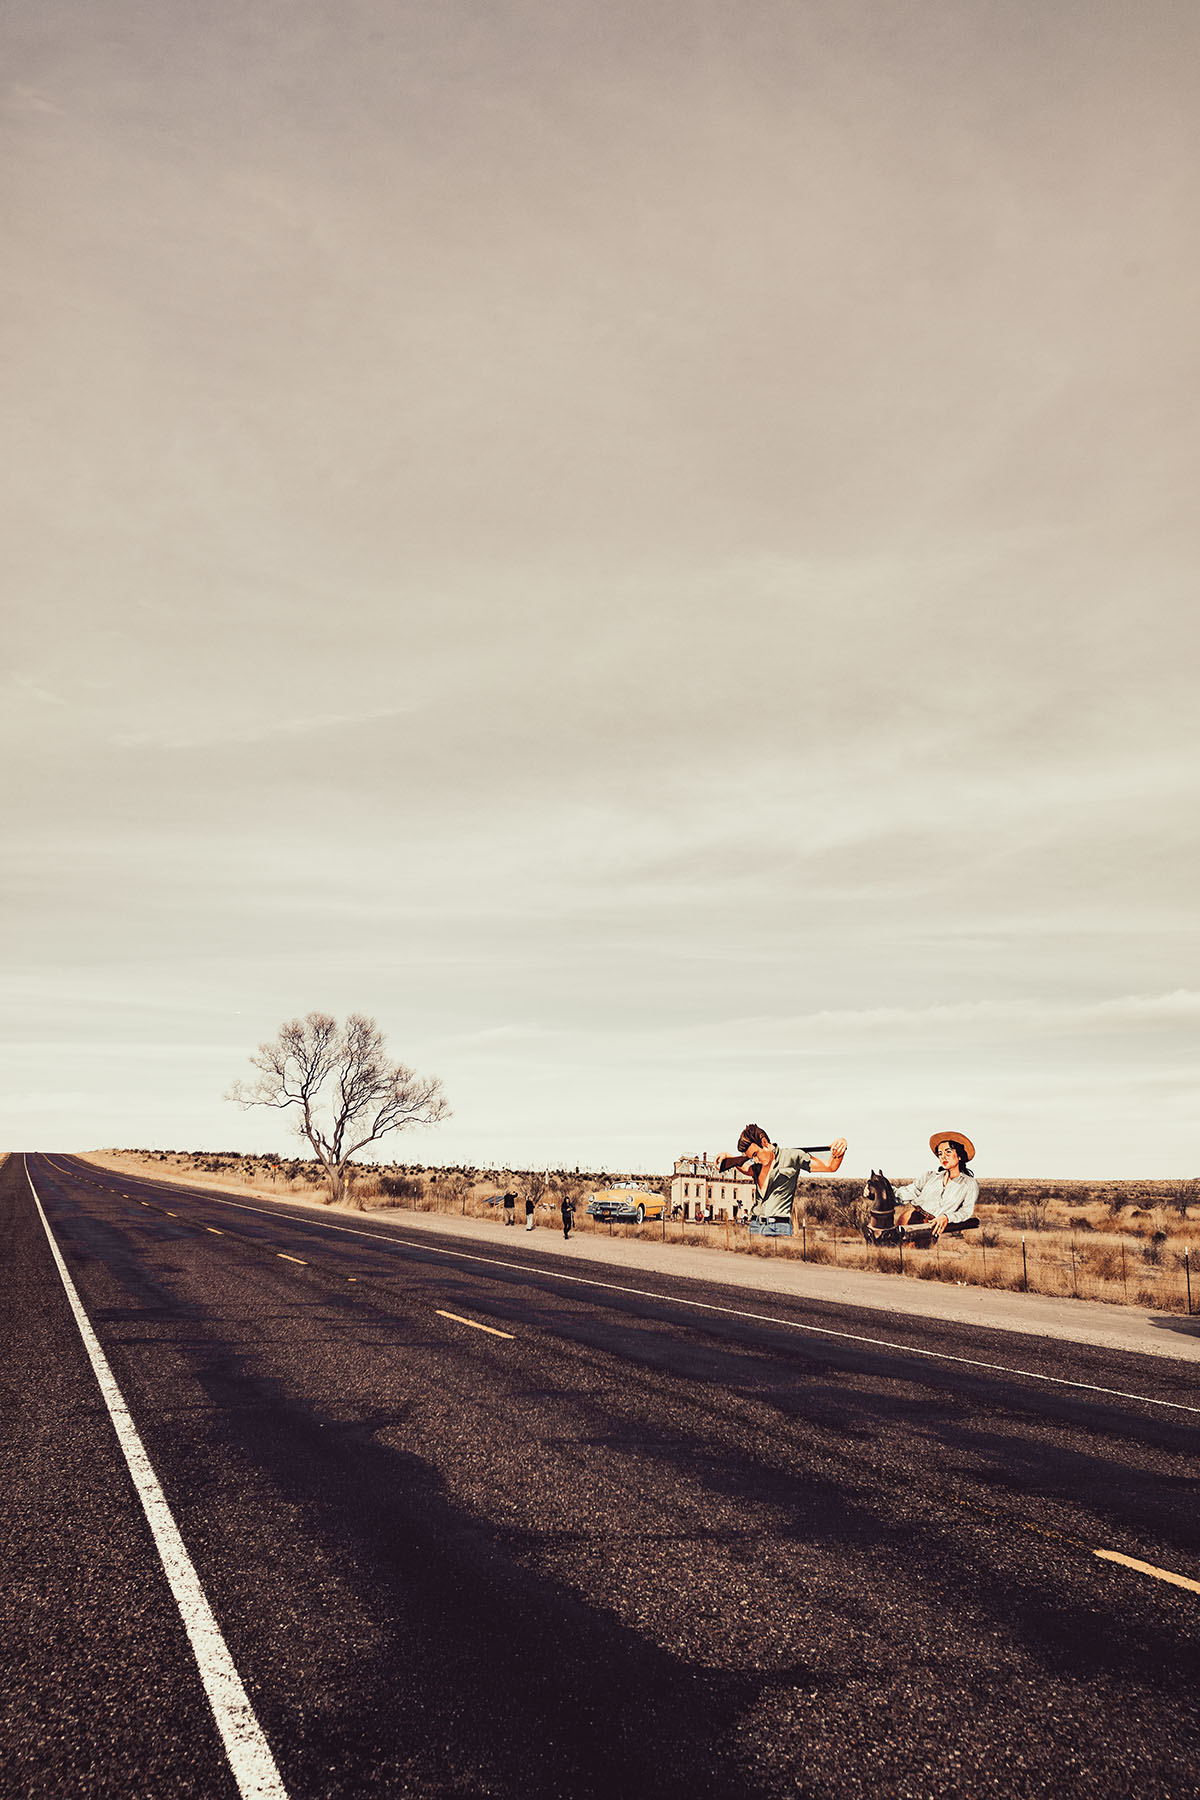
(820, 1209)
(828, 1201)
(453, 1188)
(929, 1269)
(1152, 1252)
(1184, 1194)
(1035, 1209)
(810, 1247)
(1104, 1262)
(396, 1188)
(1080, 1222)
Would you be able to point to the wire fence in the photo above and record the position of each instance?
(1130, 1272)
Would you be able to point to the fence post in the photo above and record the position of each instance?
(1074, 1279)
(803, 1241)
(1187, 1272)
(1124, 1276)
(902, 1252)
(1024, 1265)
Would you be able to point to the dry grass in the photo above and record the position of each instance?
(237, 1174)
(1120, 1242)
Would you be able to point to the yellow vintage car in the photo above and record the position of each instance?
(626, 1204)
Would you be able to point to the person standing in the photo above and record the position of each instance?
(510, 1209)
(568, 1214)
(529, 1212)
(775, 1173)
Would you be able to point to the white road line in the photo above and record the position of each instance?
(249, 1754)
(734, 1312)
(1144, 1568)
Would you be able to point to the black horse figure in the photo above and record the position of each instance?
(880, 1227)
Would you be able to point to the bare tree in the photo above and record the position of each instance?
(348, 1092)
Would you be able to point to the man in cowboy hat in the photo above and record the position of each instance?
(946, 1195)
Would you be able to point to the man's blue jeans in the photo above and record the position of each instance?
(770, 1228)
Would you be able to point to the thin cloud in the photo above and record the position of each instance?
(24, 686)
(258, 732)
(1014, 1017)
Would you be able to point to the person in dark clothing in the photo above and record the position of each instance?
(510, 1209)
(568, 1214)
(529, 1212)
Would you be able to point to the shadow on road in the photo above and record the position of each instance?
(1179, 1322)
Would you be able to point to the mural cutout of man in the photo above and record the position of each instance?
(775, 1172)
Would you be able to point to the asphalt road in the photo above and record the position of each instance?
(634, 1547)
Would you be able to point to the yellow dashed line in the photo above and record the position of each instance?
(1131, 1562)
(1114, 1556)
(474, 1323)
(214, 1231)
(295, 1259)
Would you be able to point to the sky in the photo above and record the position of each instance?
(650, 548)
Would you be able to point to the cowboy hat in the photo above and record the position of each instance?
(957, 1137)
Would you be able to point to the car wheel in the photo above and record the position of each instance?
(641, 1214)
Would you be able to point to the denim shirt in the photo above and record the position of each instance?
(957, 1199)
